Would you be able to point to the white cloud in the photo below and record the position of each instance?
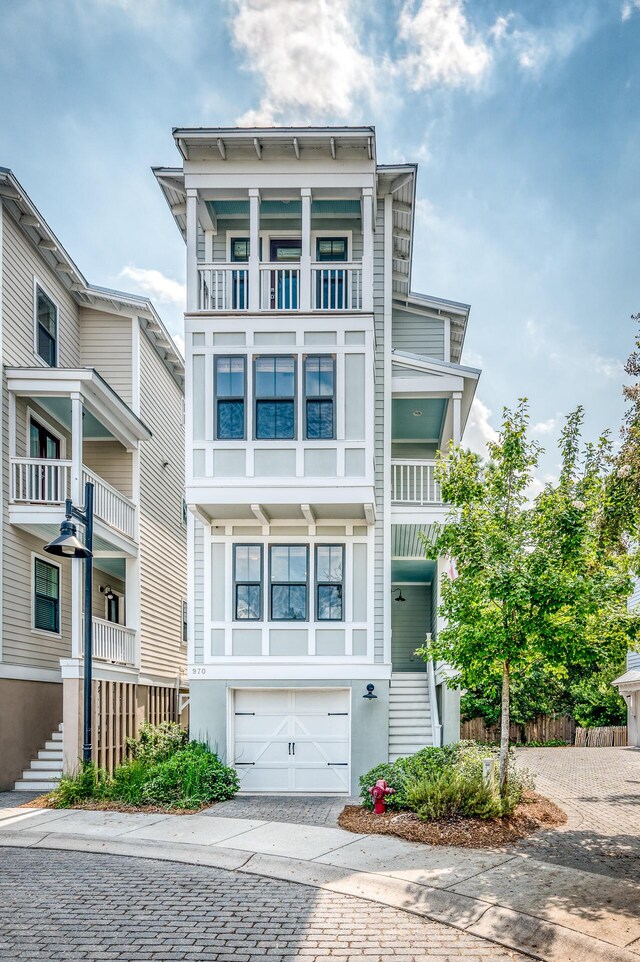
(479, 430)
(306, 55)
(545, 427)
(443, 48)
(608, 367)
(628, 8)
(155, 285)
(534, 48)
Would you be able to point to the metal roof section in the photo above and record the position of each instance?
(631, 678)
(432, 364)
(262, 143)
(86, 295)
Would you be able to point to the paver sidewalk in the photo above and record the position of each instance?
(554, 912)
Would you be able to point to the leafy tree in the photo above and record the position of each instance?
(534, 586)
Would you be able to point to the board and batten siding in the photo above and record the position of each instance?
(198, 592)
(163, 534)
(417, 334)
(20, 264)
(106, 345)
(378, 308)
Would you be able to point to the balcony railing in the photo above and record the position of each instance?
(414, 483)
(224, 287)
(48, 481)
(113, 643)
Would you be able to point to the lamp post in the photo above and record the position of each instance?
(67, 545)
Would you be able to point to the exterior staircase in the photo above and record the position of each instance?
(45, 771)
(410, 716)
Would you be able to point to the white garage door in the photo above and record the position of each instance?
(292, 740)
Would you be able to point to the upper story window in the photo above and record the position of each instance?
(247, 578)
(331, 249)
(331, 291)
(46, 328)
(46, 596)
(240, 249)
(329, 582)
(319, 389)
(289, 582)
(230, 380)
(275, 391)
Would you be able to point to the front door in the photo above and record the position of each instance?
(284, 279)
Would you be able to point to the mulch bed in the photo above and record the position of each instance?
(44, 801)
(534, 813)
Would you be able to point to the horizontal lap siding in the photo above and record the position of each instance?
(378, 307)
(20, 263)
(416, 334)
(162, 532)
(110, 461)
(105, 341)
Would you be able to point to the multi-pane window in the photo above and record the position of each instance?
(185, 623)
(331, 248)
(329, 582)
(247, 576)
(289, 582)
(230, 398)
(46, 328)
(319, 387)
(331, 282)
(239, 279)
(275, 389)
(46, 603)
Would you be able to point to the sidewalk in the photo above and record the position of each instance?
(552, 912)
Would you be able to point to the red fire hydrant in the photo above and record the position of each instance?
(379, 793)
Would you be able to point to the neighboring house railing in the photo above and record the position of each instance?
(414, 483)
(48, 481)
(110, 506)
(114, 643)
(223, 287)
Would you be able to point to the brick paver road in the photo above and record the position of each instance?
(74, 906)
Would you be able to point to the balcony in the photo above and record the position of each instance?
(47, 482)
(414, 484)
(226, 287)
(113, 643)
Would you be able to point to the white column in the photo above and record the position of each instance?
(132, 602)
(305, 253)
(192, 250)
(367, 249)
(77, 496)
(457, 397)
(254, 249)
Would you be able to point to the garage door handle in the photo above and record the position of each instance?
(245, 713)
(338, 764)
(244, 763)
(337, 713)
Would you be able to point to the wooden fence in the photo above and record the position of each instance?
(544, 728)
(118, 711)
(614, 735)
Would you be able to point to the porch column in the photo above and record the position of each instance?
(457, 397)
(367, 249)
(192, 250)
(72, 696)
(77, 496)
(305, 253)
(132, 601)
(254, 249)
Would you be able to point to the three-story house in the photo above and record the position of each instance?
(318, 389)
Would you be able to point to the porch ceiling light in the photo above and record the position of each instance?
(67, 545)
(417, 414)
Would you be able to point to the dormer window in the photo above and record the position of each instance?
(46, 335)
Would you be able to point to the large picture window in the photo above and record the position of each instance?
(247, 576)
(289, 582)
(319, 387)
(230, 384)
(329, 582)
(46, 328)
(275, 391)
(46, 602)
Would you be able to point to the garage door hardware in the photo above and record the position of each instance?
(337, 713)
(245, 713)
(244, 763)
(338, 764)
(292, 748)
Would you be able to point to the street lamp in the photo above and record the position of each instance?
(67, 545)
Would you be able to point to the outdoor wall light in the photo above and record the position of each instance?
(370, 694)
(400, 597)
(107, 591)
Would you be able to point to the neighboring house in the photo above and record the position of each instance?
(92, 390)
(318, 390)
(629, 684)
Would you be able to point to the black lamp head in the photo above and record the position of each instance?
(67, 545)
(370, 694)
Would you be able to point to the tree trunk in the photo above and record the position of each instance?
(504, 731)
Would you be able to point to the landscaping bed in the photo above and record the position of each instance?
(50, 800)
(534, 812)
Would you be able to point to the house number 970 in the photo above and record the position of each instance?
(198, 671)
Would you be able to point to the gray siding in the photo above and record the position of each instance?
(418, 334)
(379, 452)
(411, 620)
(633, 659)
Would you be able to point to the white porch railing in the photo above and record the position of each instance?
(110, 506)
(223, 287)
(336, 287)
(279, 287)
(414, 483)
(40, 481)
(114, 643)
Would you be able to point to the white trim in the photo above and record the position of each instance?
(27, 673)
(31, 415)
(309, 671)
(387, 412)
(135, 366)
(2, 453)
(50, 561)
(38, 283)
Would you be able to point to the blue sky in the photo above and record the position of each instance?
(524, 117)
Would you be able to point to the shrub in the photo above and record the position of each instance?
(452, 792)
(88, 782)
(190, 778)
(157, 742)
(397, 774)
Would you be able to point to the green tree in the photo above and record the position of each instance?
(533, 585)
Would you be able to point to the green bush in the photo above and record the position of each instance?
(452, 792)
(398, 773)
(191, 777)
(88, 782)
(155, 743)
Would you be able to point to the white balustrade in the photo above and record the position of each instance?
(114, 643)
(279, 287)
(336, 287)
(414, 483)
(223, 287)
(40, 480)
(110, 506)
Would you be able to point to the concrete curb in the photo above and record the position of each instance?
(532, 936)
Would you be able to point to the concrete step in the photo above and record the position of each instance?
(46, 765)
(56, 736)
(39, 774)
(52, 746)
(52, 754)
(28, 785)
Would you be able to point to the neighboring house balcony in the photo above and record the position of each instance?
(114, 643)
(67, 427)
